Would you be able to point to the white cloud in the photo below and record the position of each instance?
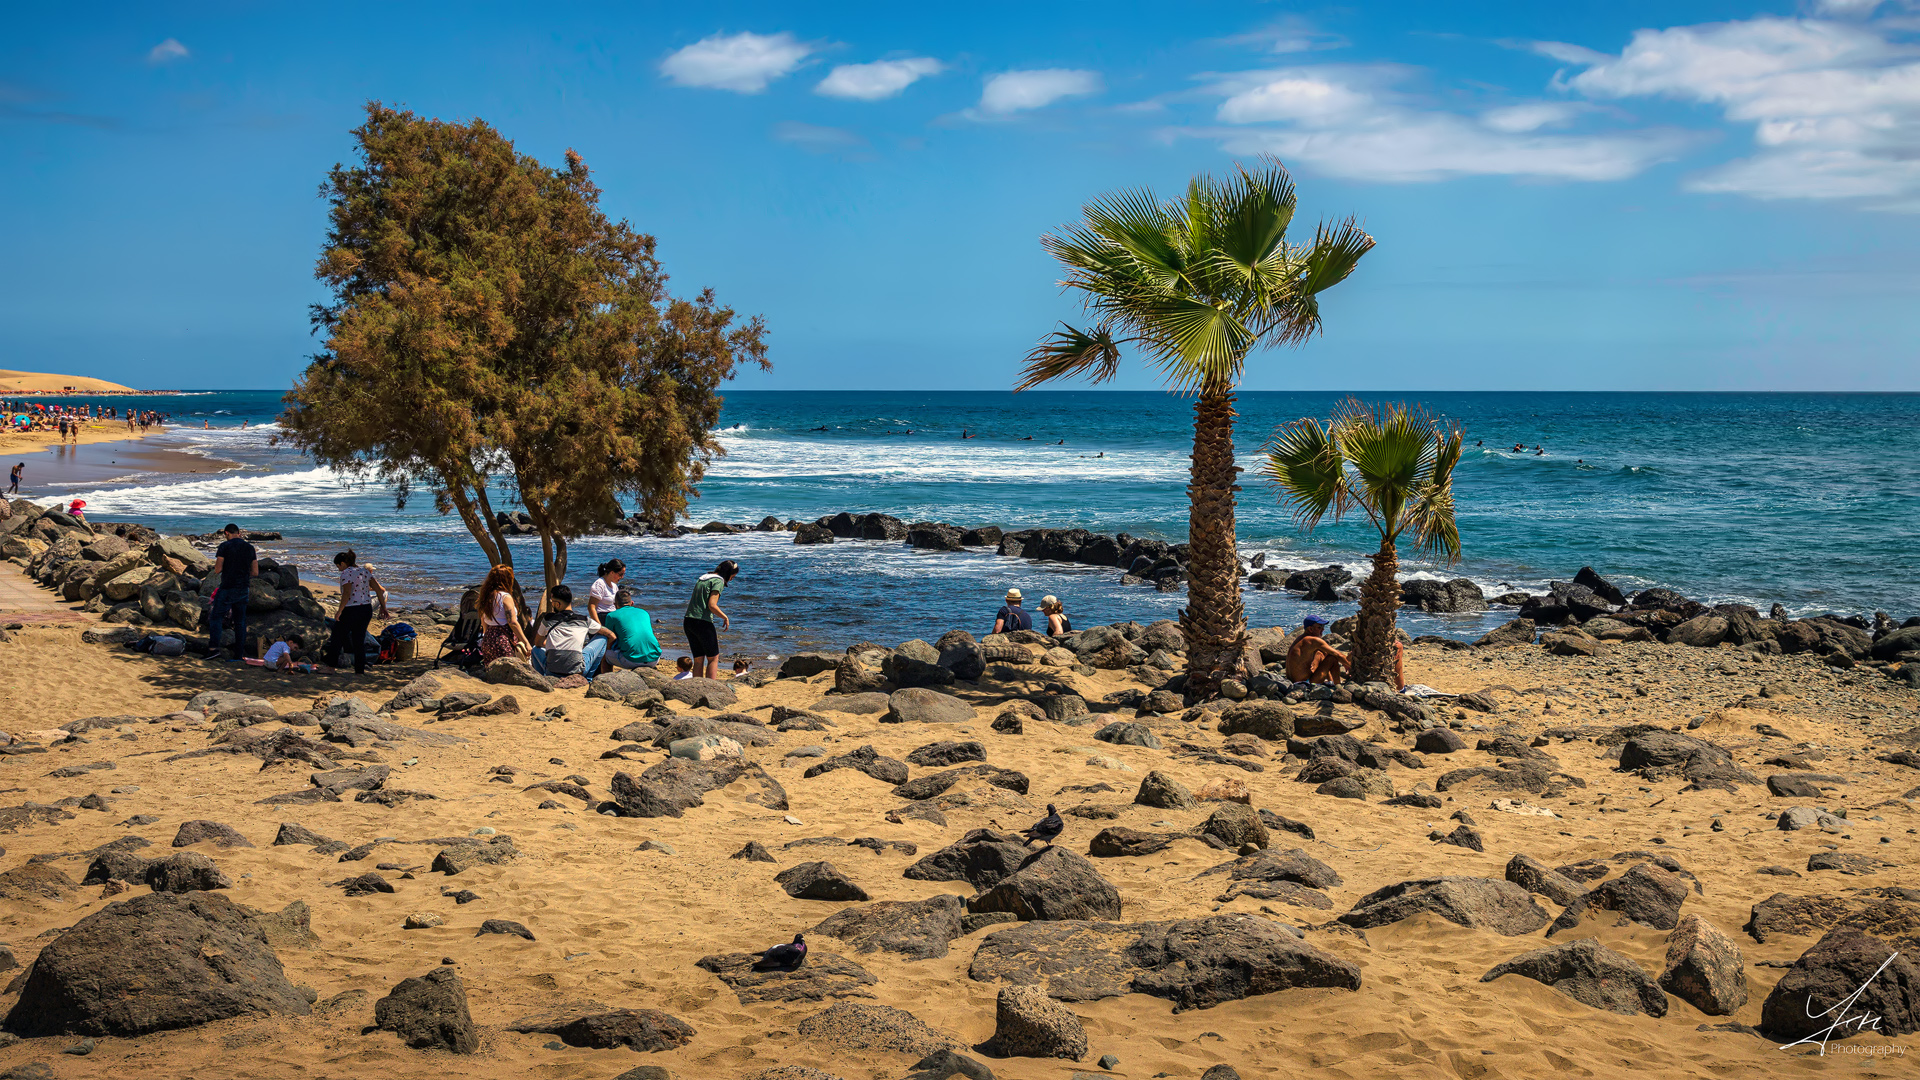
(1018, 91)
(744, 63)
(1347, 120)
(1834, 106)
(1854, 8)
(1514, 119)
(170, 49)
(878, 80)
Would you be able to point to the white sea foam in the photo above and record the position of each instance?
(955, 462)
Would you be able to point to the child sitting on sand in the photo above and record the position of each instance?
(280, 654)
(685, 664)
(741, 667)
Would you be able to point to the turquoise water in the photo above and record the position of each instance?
(1802, 499)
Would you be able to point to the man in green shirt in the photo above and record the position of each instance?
(633, 643)
(703, 640)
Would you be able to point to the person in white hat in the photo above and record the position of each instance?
(1012, 616)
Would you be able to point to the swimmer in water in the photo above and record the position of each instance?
(1062, 442)
(1027, 439)
(1537, 452)
(1101, 454)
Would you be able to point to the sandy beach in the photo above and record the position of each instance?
(615, 925)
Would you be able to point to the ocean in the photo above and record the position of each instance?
(1799, 499)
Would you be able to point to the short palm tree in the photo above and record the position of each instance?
(1196, 284)
(1396, 464)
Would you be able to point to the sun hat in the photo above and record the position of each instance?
(1013, 594)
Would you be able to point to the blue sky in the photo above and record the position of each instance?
(1566, 196)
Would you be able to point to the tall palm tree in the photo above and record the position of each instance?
(1396, 464)
(1195, 285)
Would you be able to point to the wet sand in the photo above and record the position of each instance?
(100, 461)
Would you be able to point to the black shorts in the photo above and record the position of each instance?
(702, 638)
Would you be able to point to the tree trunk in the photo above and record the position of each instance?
(480, 525)
(1214, 620)
(1379, 600)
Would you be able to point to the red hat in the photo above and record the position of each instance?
(79, 502)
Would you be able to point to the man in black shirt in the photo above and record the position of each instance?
(236, 564)
(1011, 615)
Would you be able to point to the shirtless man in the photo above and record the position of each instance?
(1311, 658)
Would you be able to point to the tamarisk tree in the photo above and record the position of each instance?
(489, 330)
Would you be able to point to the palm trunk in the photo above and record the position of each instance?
(1214, 621)
(1379, 601)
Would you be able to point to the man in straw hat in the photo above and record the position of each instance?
(1012, 616)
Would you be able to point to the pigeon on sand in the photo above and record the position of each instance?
(787, 957)
(1047, 827)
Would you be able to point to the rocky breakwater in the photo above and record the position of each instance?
(132, 576)
(1588, 615)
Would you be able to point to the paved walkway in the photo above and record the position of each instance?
(22, 600)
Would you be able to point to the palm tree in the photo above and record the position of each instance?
(1195, 285)
(1396, 463)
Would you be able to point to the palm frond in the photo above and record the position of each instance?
(1430, 514)
(1391, 449)
(1333, 256)
(1305, 463)
(1195, 344)
(1068, 352)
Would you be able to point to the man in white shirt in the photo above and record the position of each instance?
(566, 642)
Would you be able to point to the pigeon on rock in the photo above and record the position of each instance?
(786, 957)
(1047, 828)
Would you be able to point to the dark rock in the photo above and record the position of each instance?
(824, 975)
(818, 881)
(506, 927)
(1195, 963)
(1438, 741)
(185, 871)
(1051, 885)
(1237, 825)
(1533, 876)
(117, 866)
(753, 852)
(918, 705)
(212, 832)
(366, 885)
(1645, 894)
(1704, 968)
(1847, 974)
(1029, 1024)
(1458, 595)
(1591, 974)
(918, 930)
(429, 1012)
(926, 787)
(1463, 836)
(487, 851)
(864, 759)
(291, 833)
(1119, 841)
(946, 1065)
(1513, 632)
(1128, 733)
(1792, 787)
(699, 692)
(670, 788)
(855, 1026)
(643, 1030)
(943, 754)
(982, 858)
(154, 963)
(1164, 792)
(1476, 903)
(1269, 721)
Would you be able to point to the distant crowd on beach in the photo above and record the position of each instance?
(65, 420)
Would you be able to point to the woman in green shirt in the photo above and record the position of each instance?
(703, 640)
